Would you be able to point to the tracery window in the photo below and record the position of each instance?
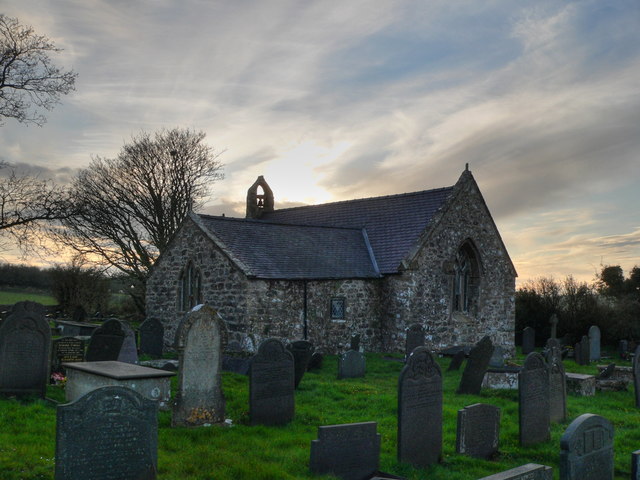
(190, 293)
(466, 279)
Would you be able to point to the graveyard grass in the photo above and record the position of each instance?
(27, 429)
(12, 296)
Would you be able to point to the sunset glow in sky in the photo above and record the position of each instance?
(333, 100)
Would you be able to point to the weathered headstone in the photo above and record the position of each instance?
(456, 361)
(553, 321)
(478, 432)
(528, 340)
(301, 351)
(477, 363)
(110, 433)
(587, 449)
(129, 350)
(497, 358)
(585, 350)
(420, 410)
(350, 451)
(594, 343)
(25, 349)
(66, 350)
(530, 471)
(623, 349)
(106, 342)
(271, 385)
(635, 465)
(414, 338)
(533, 396)
(557, 382)
(607, 372)
(315, 363)
(577, 353)
(351, 364)
(636, 375)
(152, 337)
(200, 338)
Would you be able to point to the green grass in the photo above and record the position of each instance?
(27, 430)
(10, 296)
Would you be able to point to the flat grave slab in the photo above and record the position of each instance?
(530, 471)
(581, 384)
(69, 328)
(501, 379)
(151, 383)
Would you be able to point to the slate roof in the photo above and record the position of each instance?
(278, 251)
(393, 223)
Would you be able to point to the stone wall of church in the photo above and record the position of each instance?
(424, 292)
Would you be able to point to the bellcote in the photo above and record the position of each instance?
(259, 198)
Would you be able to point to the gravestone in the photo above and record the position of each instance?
(586, 449)
(533, 396)
(635, 465)
(557, 382)
(110, 433)
(420, 410)
(528, 340)
(355, 342)
(25, 350)
(478, 432)
(66, 350)
(497, 358)
(414, 338)
(200, 338)
(577, 353)
(636, 375)
(315, 363)
(456, 361)
(106, 342)
(607, 372)
(271, 385)
(530, 471)
(350, 451)
(351, 364)
(301, 351)
(585, 350)
(129, 349)
(152, 337)
(553, 321)
(79, 314)
(594, 343)
(623, 349)
(473, 374)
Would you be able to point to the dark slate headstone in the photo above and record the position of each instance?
(478, 433)
(479, 356)
(351, 364)
(635, 465)
(301, 351)
(528, 340)
(355, 342)
(533, 396)
(636, 375)
(594, 343)
(420, 410)
(577, 353)
(110, 433)
(607, 372)
(152, 337)
(623, 349)
(456, 361)
(557, 382)
(350, 452)
(271, 385)
(315, 363)
(66, 350)
(414, 338)
(585, 350)
(530, 471)
(497, 359)
(586, 449)
(200, 338)
(25, 349)
(106, 342)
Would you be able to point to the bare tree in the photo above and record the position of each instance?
(28, 78)
(128, 208)
(27, 203)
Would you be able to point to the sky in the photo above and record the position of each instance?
(334, 100)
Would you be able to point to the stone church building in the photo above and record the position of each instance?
(371, 266)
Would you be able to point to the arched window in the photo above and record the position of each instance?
(190, 293)
(466, 279)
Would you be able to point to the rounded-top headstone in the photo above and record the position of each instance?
(586, 449)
